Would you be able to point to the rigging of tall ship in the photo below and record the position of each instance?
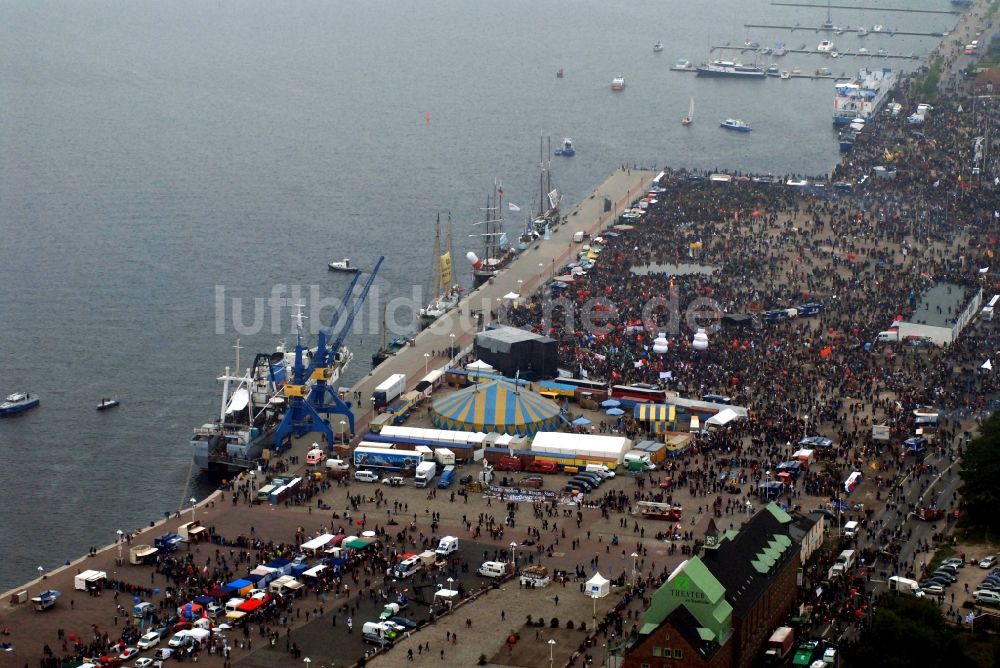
(445, 295)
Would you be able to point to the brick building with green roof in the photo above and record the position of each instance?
(718, 609)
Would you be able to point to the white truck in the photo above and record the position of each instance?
(905, 586)
(447, 545)
(89, 579)
(444, 457)
(389, 389)
(425, 474)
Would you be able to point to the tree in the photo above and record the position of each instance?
(980, 472)
(907, 631)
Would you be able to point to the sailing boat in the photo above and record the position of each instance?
(497, 252)
(689, 119)
(388, 348)
(446, 295)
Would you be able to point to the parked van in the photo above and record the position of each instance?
(377, 633)
(447, 545)
(851, 529)
(365, 476)
(493, 569)
(600, 469)
(891, 336)
(406, 568)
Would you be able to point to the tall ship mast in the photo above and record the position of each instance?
(497, 251)
(548, 197)
(446, 295)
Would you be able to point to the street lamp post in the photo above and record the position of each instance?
(193, 501)
(552, 646)
(120, 534)
(635, 555)
(343, 432)
(427, 358)
(451, 345)
(513, 546)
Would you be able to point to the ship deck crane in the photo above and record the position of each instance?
(307, 403)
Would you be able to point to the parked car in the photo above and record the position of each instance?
(987, 562)
(393, 481)
(404, 622)
(151, 639)
(933, 590)
(465, 480)
(986, 596)
(574, 486)
(128, 653)
(143, 662)
(954, 561)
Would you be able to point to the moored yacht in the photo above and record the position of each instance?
(18, 403)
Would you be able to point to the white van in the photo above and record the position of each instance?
(377, 633)
(447, 545)
(493, 569)
(891, 336)
(578, 236)
(851, 529)
(599, 469)
(365, 476)
(406, 568)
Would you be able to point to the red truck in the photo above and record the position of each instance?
(508, 463)
(779, 645)
(542, 466)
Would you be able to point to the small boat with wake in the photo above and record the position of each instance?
(658, 47)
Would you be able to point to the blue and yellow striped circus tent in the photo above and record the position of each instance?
(496, 406)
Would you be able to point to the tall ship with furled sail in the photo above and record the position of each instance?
(548, 197)
(497, 251)
(446, 294)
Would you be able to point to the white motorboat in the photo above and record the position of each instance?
(618, 83)
(343, 265)
(825, 46)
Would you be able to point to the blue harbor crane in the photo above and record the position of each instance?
(309, 393)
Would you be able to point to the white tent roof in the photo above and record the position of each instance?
(446, 594)
(598, 580)
(512, 295)
(317, 543)
(581, 445)
(723, 417)
(479, 365)
(598, 586)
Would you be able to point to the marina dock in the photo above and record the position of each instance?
(908, 10)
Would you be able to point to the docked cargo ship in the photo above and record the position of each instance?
(729, 68)
(251, 410)
(863, 96)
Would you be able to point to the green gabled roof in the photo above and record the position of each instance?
(723, 612)
(693, 587)
(773, 552)
(706, 634)
(702, 578)
(729, 534)
(778, 513)
(760, 566)
(783, 539)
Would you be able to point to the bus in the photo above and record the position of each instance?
(639, 392)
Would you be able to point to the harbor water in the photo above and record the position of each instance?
(160, 159)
